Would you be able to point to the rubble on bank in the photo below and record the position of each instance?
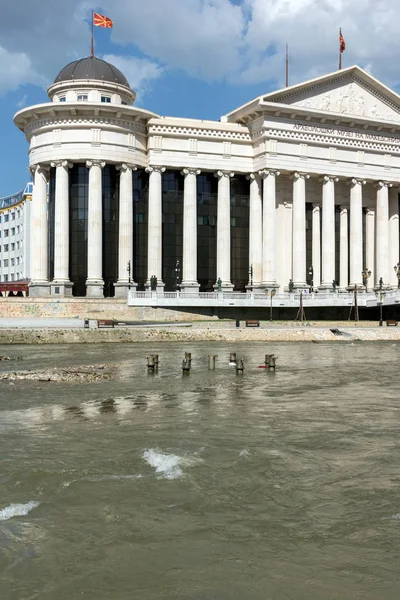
(78, 374)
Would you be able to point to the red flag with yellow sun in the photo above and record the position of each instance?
(102, 21)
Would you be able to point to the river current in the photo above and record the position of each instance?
(213, 485)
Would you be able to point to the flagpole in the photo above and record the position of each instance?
(340, 49)
(92, 44)
(287, 65)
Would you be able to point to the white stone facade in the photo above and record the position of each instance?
(15, 236)
(322, 160)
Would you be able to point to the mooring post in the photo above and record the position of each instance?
(186, 365)
(240, 366)
(150, 363)
(211, 361)
(188, 356)
(272, 362)
(155, 358)
(268, 359)
(232, 357)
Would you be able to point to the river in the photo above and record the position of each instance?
(213, 485)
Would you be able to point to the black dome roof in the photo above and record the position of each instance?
(92, 68)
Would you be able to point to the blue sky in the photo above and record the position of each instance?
(188, 58)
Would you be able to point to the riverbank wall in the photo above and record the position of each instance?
(189, 334)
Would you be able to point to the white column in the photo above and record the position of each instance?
(344, 248)
(154, 252)
(39, 285)
(61, 230)
(316, 245)
(299, 230)
(94, 282)
(370, 246)
(269, 228)
(393, 235)
(189, 266)
(382, 233)
(356, 233)
(328, 232)
(255, 230)
(125, 228)
(224, 229)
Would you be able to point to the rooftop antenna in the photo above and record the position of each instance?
(287, 65)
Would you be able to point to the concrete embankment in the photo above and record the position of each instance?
(192, 334)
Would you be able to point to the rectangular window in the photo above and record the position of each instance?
(5, 247)
(106, 99)
(17, 228)
(82, 97)
(12, 276)
(12, 230)
(0, 218)
(12, 246)
(12, 262)
(17, 261)
(62, 98)
(17, 245)
(6, 233)
(6, 262)
(5, 277)
(6, 218)
(13, 216)
(18, 213)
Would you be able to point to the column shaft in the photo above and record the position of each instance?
(154, 253)
(189, 267)
(393, 235)
(255, 230)
(356, 233)
(224, 230)
(328, 232)
(39, 234)
(316, 245)
(370, 246)
(125, 227)
(299, 230)
(382, 233)
(269, 228)
(94, 282)
(61, 229)
(344, 248)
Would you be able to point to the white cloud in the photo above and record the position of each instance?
(210, 39)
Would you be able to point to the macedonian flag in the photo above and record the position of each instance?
(102, 21)
(342, 43)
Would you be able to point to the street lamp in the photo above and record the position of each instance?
(379, 296)
(177, 275)
(128, 268)
(397, 271)
(251, 276)
(271, 294)
(365, 276)
(311, 274)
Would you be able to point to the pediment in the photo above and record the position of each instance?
(349, 94)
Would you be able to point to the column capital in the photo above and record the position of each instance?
(264, 173)
(298, 175)
(95, 163)
(125, 166)
(220, 174)
(357, 181)
(381, 184)
(369, 212)
(40, 168)
(331, 178)
(316, 205)
(190, 171)
(155, 169)
(344, 209)
(61, 163)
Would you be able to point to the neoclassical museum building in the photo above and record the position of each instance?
(298, 186)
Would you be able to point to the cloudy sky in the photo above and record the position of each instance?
(193, 58)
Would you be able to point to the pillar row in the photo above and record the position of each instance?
(269, 228)
(94, 282)
(39, 285)
(125, 227)
(189, 267)
(224, 230)
(328, 232)
(61, 230)
(382, 233)
(154, 252)
(299, 230)
(356, 233)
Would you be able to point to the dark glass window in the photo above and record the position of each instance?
(110, 228)
(106, 99)
(240, 202)
(51, 220)
(172, 228)
(207, 192)
(78, 211)
(140, 212)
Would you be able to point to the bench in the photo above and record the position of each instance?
(252, 323)
(390, 322)
(105, 323)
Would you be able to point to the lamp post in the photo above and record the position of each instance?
(177, 275)
(251, 277)
(271, 295)
(128, 268)
(380, 302)
(311, 274)
(366, 274)
(397, 271)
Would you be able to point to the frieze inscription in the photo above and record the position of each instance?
(335, 132)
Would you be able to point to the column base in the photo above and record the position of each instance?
(326, 287)
(61, 288)
(269, 285)
(189, 286)
(360, 287)
(300, 286)
(385, 288)
(39, 289)
(95, 288)
(122, 288)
